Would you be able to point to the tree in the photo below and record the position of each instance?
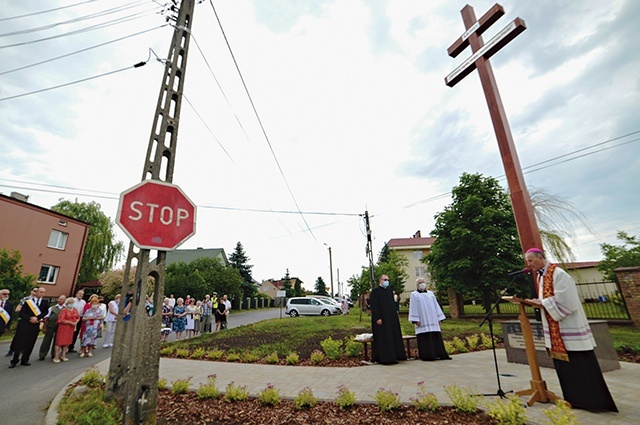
(203, 276)
(112, 281)
(297, 288)
(627, 255)
(286, 285)
(394, 267)
(476, 240)
(239, 260)
(101, 251)
(321, 287)
(12, 276)
(359, 284)
(384, 254)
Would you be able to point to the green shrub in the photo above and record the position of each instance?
(317, 356)
(215, 354)
(561, 414)
(459, 345)
(88, 409)
(208, 390)
(236, 392)
(92, 378)
(182, 353)
(233, 357)
(270, 396)
(462, 398)
(449, 347)
(332, 348)
(162, 384)
(180, 386)
(387, 400)
(472, 342)
(293, 358)
(425, 401)
(198, 353)
(345, 398)
(485, 340)
(250, 357)
(509, 412)
(167, 351)
(272, 358)
(352, 347)
(305, 399)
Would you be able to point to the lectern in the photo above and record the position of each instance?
(538, 390)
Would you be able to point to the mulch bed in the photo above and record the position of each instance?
(189, 409)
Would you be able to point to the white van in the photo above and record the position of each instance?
(307, 306)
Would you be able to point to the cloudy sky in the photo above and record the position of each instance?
(353, 111)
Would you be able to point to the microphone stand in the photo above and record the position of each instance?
(489, 318)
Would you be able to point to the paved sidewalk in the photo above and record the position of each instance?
(475, 370)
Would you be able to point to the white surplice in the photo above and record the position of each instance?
(424, 308)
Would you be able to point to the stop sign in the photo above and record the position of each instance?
(156, 215)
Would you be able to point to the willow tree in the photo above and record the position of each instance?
(102, 250)
(555, 217)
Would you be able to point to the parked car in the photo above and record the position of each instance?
(307, 306)
(337, 309)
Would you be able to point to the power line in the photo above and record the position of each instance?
(110, 195)
(46, 11)
(528, 169)
(76, 19)
(82, 50)
(73, 82)
(102, 25)
(264, 132)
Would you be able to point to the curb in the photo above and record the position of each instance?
(51, 417)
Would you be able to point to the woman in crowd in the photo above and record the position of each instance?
(91, 322)
(67, 321)
(221, 316)
(197, 318)
(191, 311)
(110, 321)
(167, 314)
(179, 318)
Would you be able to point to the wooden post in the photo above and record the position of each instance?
(538, 390)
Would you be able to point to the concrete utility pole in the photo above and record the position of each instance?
(135, 361)
(520, 199)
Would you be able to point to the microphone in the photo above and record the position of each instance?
(525, 271)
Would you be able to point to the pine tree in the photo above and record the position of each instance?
(321, 287)
(238, 260)
(287, 285)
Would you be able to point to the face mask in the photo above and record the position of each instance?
(385, 283)
(422, 286)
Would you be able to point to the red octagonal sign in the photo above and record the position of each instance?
(156, 215)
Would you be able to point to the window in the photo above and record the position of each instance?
(417, 255)
(57, 239)
(420, 271)
(48, 274)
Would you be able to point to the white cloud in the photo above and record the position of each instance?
(352, 97)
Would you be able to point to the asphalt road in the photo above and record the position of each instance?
(28, 390)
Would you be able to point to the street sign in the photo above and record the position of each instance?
(156, 215)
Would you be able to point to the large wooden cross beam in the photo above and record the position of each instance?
(481, 52)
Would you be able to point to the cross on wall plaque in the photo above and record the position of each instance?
(481, 52)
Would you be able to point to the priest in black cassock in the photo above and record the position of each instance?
(387, 346)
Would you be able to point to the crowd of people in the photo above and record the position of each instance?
(188, 317)
(75, 319)
(63, 324)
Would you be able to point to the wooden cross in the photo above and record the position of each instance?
(520, 199)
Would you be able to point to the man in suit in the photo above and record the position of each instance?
(50, 327)
(6, 310)
(32, 312)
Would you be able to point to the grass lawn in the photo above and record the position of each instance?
(303, 334)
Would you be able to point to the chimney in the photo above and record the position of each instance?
(19, 196)
(417, 234)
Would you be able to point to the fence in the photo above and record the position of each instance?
(600, 300)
